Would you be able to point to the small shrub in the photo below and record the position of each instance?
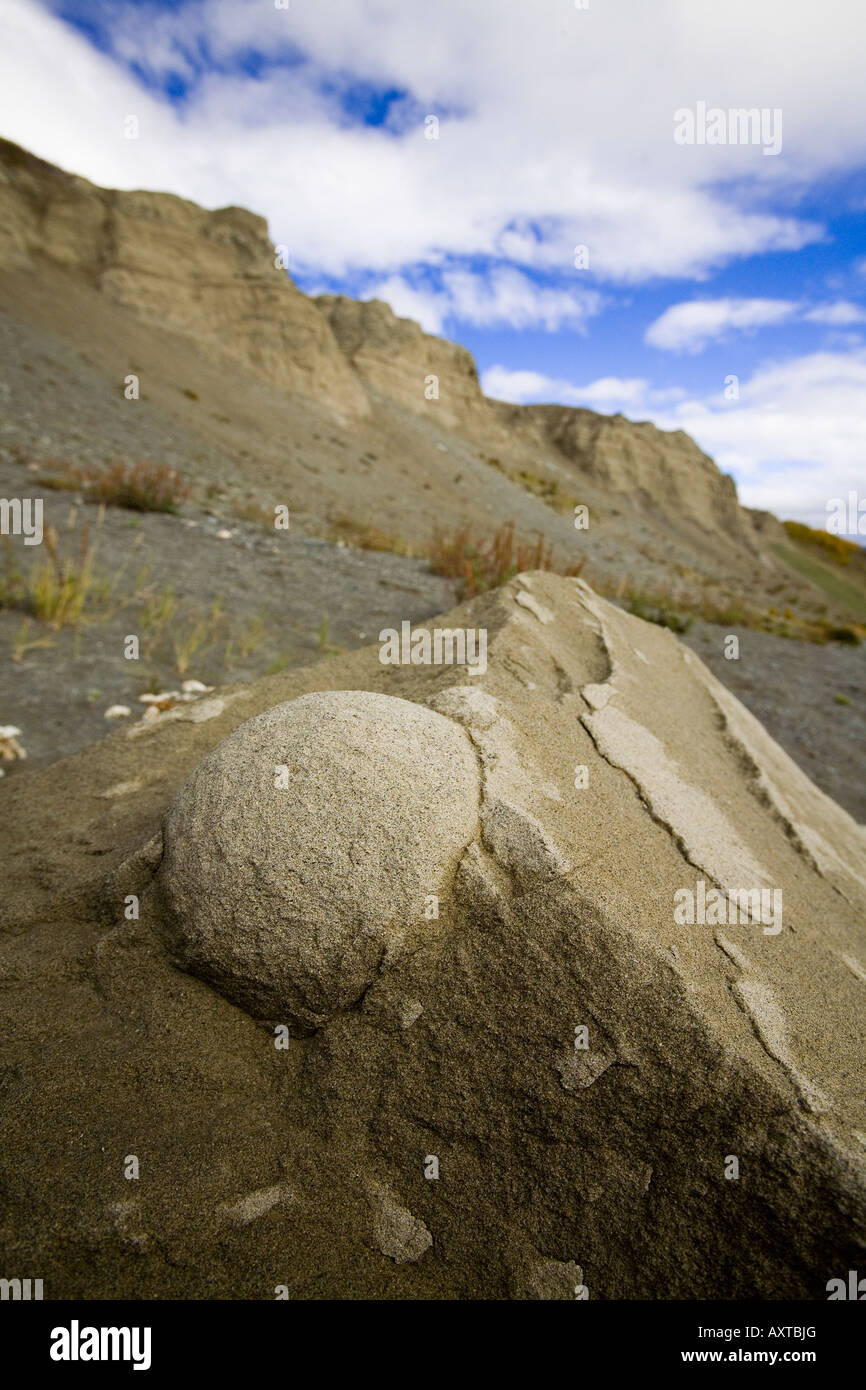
(141, 487)
(837, 547)
(847, 635)
(485, 564)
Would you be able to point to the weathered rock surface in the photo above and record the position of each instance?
(209, 275)
(665, 471)
(305, 852)
(396, 1232)
(397, 358)
(638, 460)
(618, 1098)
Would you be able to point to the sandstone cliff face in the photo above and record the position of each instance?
(664, 468)
(209, 275)
(212, 277)
(659, 470)
(397, 358)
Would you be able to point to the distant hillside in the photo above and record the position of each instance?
(364, 425)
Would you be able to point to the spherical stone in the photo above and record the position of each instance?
(299, 856)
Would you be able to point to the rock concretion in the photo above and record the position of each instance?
(303, 854)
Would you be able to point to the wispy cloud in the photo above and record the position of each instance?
(838, 315)
(693, 324)
(605, 394)
(499, 297)
(690, 326)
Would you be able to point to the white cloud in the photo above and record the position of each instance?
(503, 298)
(613, 390)
(429, 308)
(795, 437)
(689, 326)
(609, 393)
(837, 315)
(508, 297)
(560, 132)
(503, 384)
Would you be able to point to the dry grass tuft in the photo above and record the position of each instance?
(485, 564)
(55, 589)
(140, 487)
(354, 533)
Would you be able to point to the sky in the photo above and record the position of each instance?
(563, 186)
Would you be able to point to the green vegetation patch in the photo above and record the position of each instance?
(848, 590)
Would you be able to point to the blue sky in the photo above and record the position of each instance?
(740, 255)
